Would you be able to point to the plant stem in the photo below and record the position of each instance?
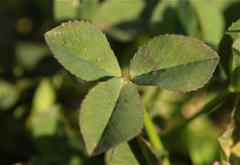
(153, 136)
(206, 109)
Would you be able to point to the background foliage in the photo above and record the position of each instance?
(39, 101)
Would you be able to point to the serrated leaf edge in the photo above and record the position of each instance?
(86, 22)
(202, 43)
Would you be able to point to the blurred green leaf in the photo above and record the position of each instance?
(87, 9)
(187, 16)
(200, 141)
(171, 62)
(227, 52)
(84, 50)
(44, 97)
(236, 149)
(8, 95)
(208, 12)
(45, 123)
(235, 79)
(236, 53)
(29, 54)
(112, 12)
(75, 160)
(237, 113)
(65, 9)
(160, 9)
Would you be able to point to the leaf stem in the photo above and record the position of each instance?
(209, 107)
(153, 136)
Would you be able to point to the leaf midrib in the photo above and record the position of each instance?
(83, 59)
(215, 58)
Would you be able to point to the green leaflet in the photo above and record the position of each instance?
(96, 111)
(84, 50)
(126, 120)
(110, 114)
(173, 62)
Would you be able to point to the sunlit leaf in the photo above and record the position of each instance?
(65, 9)
(45, 123)
(121, 11)
(8, 95)
(172, 62)
(187, 16)
(84, 50)
(44, 97)
(208, 12)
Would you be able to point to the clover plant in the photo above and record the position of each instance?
(112, 112)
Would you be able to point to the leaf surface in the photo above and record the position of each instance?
(110, 114)
(126, 120)
(96, 110)
(173, 62)
(84, 50)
